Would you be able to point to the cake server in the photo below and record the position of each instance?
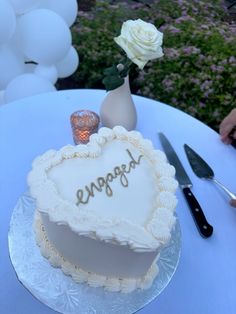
(203, 170)
(204, 228)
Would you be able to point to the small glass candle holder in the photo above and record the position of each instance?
(84, 123)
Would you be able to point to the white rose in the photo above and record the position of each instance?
(141, 41)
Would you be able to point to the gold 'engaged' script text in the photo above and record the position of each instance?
(84, 195)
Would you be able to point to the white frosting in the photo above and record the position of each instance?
(130, 217)
(68, 181)
(80, 276)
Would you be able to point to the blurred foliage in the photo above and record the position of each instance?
(198, 71)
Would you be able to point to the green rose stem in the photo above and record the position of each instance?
(115, 75)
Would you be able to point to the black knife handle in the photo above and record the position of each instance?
(204, 227)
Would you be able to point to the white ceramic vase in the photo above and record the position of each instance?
(118, 108)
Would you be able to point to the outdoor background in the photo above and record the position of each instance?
(198, 71)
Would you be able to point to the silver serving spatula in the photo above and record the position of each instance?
(203, 170)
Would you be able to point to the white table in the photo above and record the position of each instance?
(205, 280)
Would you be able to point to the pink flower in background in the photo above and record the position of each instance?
(202, 105)
(195, 81)
(217, 68)
(180, 2)
(195, 9)
(204, 26)
(168, 84)
(206, 85)
(232, 59)
(208, 92)
(232, 28)
(191, 50)
(223, 62)
(171, 53)
(184, 19)
(174, 30)
(136, 5)
(213, 67)
(219, 77)
(201, 57)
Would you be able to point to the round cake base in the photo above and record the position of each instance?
(58, 291)
(114, 284)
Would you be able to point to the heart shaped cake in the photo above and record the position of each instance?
(105, 209)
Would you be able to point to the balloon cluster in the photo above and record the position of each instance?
(35, 46)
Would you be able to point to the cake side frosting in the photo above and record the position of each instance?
(140, 237)
(114, 284)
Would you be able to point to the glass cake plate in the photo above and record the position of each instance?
(60, 292)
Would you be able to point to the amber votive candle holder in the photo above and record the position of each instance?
(83, 123)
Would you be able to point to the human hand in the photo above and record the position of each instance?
(227, 126)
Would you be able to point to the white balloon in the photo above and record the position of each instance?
(23, 6)
(47, 72)
(69, 64)
(11, 65)
(2, 102)
(30, 67)
(27, 85)
(15, 44)
(7, 21)
(45, 37)
(14, 41)
(67, 9)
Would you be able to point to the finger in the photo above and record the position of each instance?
(226, 128)
(233, 202)
(227, 141)
(228, 122)
(233, 135)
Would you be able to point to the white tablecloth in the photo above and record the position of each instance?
(205, 280)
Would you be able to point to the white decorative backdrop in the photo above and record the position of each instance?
(35, 46)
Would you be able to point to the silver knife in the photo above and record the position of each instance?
(204, 228)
